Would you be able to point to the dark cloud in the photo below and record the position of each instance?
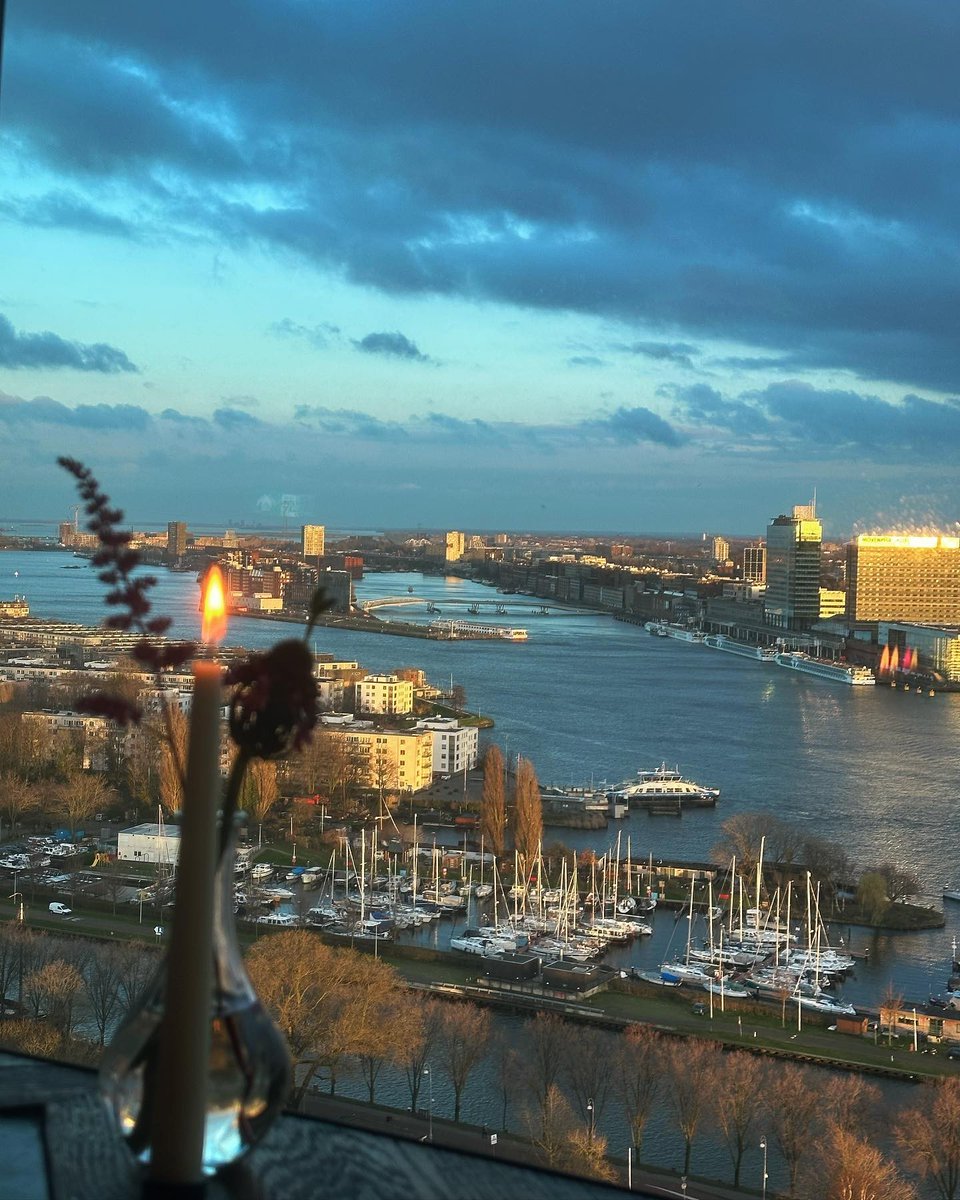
(317, 336)
(455, 427)
(585, 360)
(349, 423)
(631, 425)
(49, 350)
(66, 210)
(678, 353)
(392, 345)
(829, 423)
(235, 420)
(46, 411)
(775, 179)
(700, 404)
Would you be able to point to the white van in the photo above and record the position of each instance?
(60, 910)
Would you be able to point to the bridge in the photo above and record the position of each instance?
(497, 607)
(399, 601)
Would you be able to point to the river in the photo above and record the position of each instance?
(590, 698)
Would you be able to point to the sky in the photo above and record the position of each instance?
(625, 266)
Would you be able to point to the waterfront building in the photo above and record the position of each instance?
(149, 843)
(932, 648)
(391, 759)
(454, 546)
(312, 541)
(792, 600)
(894, 577)
(455, 746)
(385, 695)
(176, 539)
(755, 563)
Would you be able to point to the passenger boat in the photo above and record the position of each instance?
(720, 641)
(664, 785)
(834, 672)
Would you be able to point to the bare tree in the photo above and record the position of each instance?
(493, 808)
(81, 795)
(901, 882)
(928, 1136)
(854, 1104)
(508, 1072)
(527, 814)
(853, 1169)
(136, 966)
(691, 1066)
(641, 1071)
(173, 758)
(15, 954)
(464, 1033)
(103, 980)
(587, 1071)
(18, 798)
(263, 776)
(738, 1103)
(53, 991)
(794, 1107)
(544, 1044)
(416, 1054)
(390, 1023)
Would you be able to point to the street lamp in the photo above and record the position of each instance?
(915, 1031)
(14, 896)
(426, 1071)
(763, 1147)
(590, 1119)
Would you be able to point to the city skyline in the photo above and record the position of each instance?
(498, 267)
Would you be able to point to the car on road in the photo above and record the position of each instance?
(59, 910)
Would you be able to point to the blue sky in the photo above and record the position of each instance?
(499, 263)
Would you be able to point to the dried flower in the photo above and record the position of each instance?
(117, 562)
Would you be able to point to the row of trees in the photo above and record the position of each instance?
(55, 985)
(524, 819)
(344, 1011)
(789, 850)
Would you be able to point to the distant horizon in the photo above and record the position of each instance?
(333, 534)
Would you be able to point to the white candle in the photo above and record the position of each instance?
(179, 1109)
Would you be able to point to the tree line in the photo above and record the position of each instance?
(556, 1083)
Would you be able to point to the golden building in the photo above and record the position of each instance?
(898, 577)
(389, 759)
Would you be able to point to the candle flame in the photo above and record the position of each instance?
(214, 627)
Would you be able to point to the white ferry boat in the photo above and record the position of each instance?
(835, 672)
(652, 787)
(720, 641)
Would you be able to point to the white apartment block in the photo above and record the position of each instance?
(385, 695)
(455, 746)
(329, 693)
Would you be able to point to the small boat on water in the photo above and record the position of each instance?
(951, 893)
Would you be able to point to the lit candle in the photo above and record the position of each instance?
(179, 1109)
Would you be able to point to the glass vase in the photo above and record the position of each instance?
(248, 1074)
